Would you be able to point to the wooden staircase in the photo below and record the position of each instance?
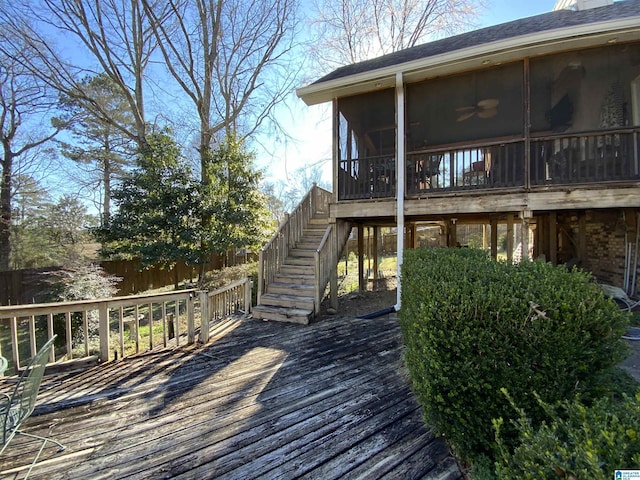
(291, 295)
(297, 263)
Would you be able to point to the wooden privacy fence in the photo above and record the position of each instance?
(112, 328)
(27, 285)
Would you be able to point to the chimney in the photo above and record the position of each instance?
(581, 4)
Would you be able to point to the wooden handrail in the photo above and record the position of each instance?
(167, 309)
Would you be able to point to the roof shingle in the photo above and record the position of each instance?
(539, 23)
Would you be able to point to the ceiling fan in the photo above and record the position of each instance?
(485, 108)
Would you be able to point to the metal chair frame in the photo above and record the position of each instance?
(17, 407)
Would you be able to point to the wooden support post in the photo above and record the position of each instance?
(204, 315)
(333, 275)
(485, 238)
(509, 237)
(103, 329)
(494, 238)
(411, 236)
(260, 275)
(582, 238)
(553, 238)
(361, 281)
(453, 234)
(191, 325)
(374, 251)
(247, 296)
(524, 234)
(539, 246)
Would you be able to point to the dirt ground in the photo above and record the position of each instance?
(355, 304)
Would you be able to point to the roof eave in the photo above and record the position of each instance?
(591, 34)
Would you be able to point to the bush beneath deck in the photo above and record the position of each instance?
(473, 326)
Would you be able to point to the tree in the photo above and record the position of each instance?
(101, 151)
(350, 31)
(23, 99)
(231, 59)
(234, 205)
(114, 37)
(158, 206)
(161, 207)
(47, 233)
(66, 223)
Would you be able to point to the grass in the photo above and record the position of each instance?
(348, 271)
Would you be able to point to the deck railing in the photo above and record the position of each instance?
(115, 327)
(274, 253)
(586, 157)
(223, 302)
(369, 177)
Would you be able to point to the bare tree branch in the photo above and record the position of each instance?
(113, 33)
(230, 57)
(24, 103)
(350, 31)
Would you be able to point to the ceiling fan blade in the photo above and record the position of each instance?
(470, 108)
(464, 116)
(489, 103)
(488, 112)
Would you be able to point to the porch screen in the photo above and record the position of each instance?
(482, 104)
(366, 145)
(584, 91)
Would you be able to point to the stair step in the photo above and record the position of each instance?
(302, 252)
(297, 278)
(301, 261)
(307, 270)
(307, 244)
(314, 230)
(289, 301)
(289, 288)
(319, 221)
(282, 314)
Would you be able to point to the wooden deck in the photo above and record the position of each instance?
(260, 400)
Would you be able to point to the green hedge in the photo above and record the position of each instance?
(473, 326)
(579, 441)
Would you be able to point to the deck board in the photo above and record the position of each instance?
(259, 400)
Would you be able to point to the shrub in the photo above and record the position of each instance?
(578, 442)
(473, 326)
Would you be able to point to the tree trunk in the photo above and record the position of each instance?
(5, 211)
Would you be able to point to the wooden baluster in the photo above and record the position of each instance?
(67, 317)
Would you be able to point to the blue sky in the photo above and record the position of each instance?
(310, 127)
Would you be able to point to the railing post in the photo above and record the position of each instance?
(247, 296)
(317, 281)
(333, 281)
(260, 274)
(103, 329)
(15, 353)
(204, 316)
(191, 327)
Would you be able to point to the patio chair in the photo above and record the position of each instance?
(17, 407)
(619, 296)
